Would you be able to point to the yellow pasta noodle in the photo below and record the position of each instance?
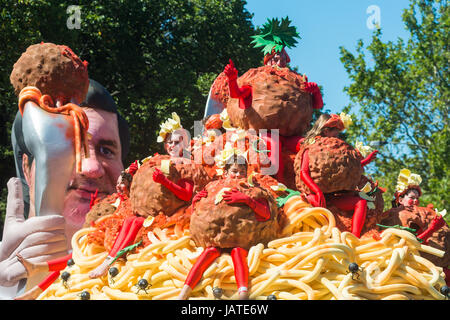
(309, 261)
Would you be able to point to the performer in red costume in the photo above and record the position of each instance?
(238, 255)
(330, 126)
(244, 94)
(407, 194)
(175, 143)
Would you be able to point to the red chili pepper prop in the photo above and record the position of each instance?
(59, 264)
(127, 234)
(44, 284)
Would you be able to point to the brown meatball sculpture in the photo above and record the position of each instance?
(326, 165)
(246, 216)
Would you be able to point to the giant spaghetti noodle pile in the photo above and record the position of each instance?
(310, 262)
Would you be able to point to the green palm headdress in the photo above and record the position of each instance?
(276, 35)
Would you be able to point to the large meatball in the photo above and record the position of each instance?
(99, 209)
(54, 69)
(235, 225)
(278, 102)
(419, 218)
(334, 165)
(149, 198)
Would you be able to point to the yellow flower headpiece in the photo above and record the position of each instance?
(346, 120)
(227, 153)
(364, 150)
(226, 122)
(169, 126)
(406, 179)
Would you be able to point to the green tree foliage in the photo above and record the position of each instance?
(154, 56)
(401, 95)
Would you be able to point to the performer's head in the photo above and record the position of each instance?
(235, 168)
(410, 198)
(407, 190)
(176, 143)
(124, 183)
(277, 59)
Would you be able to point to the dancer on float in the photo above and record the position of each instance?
(330, 126)
(175, 143)
(235, 169)
(276, 38)
(407, 194)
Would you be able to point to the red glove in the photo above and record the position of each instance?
(198, 196)
(369, 158)
(437, 223)
(133, 168)
(244, 94)
(182, 190)
(313, 88)
(260, 207)
(158, 176)
(318, 199)
(230, 71)
(235, 196)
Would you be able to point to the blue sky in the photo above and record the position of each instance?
(324, 26)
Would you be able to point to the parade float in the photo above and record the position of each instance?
(289, 235)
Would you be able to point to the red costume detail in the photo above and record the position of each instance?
(275, 157)
(313, 88)
(183, 189)
(317, 199)
(59, 263)
(44, 284)
(359, 205)
(345, 202)
(198, 196)
(292, 143)
(93, 198)
(259, 206)
(208, 256)
(127, 234)
(239, 257)
(369, 158)
(133, 168)
(213, 122)
(437, 223)
(244, 94)
(334, 122)
(203, 262)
